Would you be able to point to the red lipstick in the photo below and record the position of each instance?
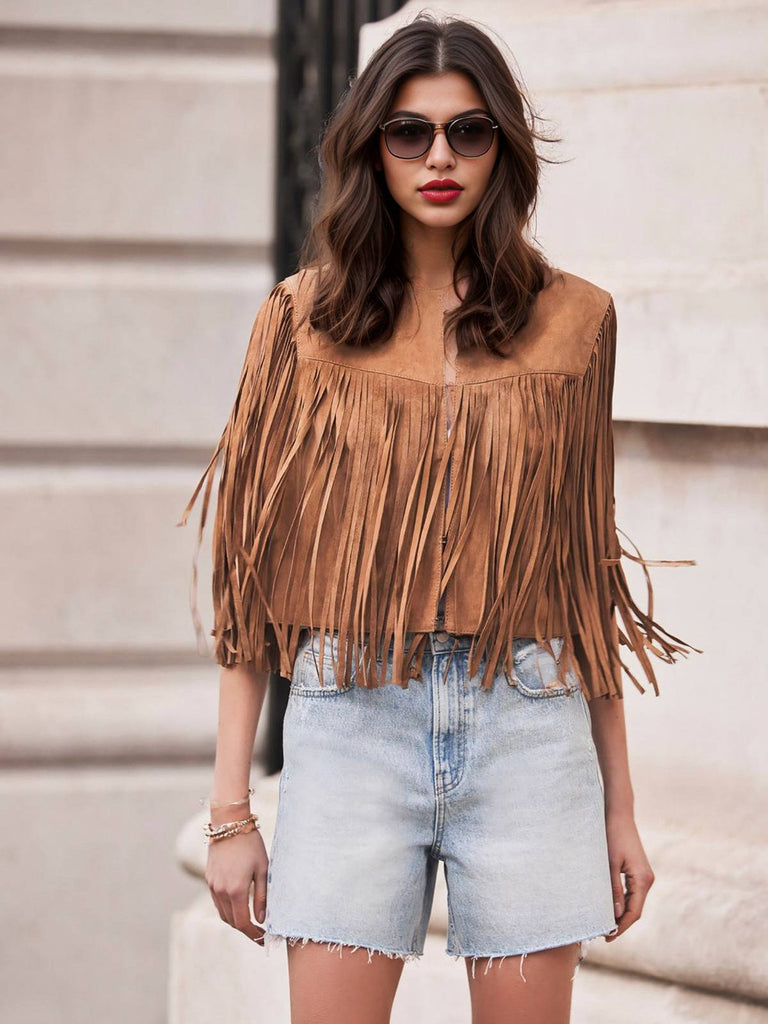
(441, 190)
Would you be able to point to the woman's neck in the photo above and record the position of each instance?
(427, 256)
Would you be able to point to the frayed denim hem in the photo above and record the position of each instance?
(275, 938)
(583, 948)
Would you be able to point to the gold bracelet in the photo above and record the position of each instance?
(234, 832)
(228, 828)
(233, 803)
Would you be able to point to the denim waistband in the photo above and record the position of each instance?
(437, 641)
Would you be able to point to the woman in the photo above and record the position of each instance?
(417, 487)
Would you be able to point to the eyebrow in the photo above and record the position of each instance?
(413, 113)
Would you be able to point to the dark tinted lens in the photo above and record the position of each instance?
(472, 136)
(407, 138)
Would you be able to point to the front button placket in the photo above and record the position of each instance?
(449, 384)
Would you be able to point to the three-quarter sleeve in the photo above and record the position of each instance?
(606, 613)
(248, 450)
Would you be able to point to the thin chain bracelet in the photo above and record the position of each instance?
(233, 803)
(229, 828)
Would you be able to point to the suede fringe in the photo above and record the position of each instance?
(546, 459)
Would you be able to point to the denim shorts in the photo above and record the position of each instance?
(380, 784)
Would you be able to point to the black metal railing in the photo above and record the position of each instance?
(317, 51)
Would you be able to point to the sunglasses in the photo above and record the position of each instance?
(408, 138)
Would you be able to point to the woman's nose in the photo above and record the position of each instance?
(440, 151)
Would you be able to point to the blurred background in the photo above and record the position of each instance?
(158, 166)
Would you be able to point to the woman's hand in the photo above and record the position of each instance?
(233, 864)
(626, 856)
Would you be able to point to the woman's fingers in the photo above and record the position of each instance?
(618, 891)
(638, 883)
(241, 917)
(232, 905)
(260, 896)
(218, 903)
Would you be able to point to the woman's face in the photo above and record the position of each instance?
(437, 98)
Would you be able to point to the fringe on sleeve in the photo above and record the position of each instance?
(601, 591)
(254, 433)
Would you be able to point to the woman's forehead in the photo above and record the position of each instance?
(437, 97)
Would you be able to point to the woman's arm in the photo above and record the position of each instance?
(234, 863)
(625, 851)
(241, 695)
(610, 736)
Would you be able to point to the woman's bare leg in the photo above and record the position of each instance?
(340, 985)
(502, 996)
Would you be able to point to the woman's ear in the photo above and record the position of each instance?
(377, 165)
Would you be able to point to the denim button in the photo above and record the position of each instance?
(442, 636)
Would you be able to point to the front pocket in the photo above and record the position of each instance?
(536, 671)
(307, 680)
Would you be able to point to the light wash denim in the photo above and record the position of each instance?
(380, 785)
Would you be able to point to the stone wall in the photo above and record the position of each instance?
(136, 221)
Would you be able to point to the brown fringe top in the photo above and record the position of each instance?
(332, 515)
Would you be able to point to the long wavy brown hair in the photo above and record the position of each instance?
(354, 239)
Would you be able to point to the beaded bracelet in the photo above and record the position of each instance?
(229, 828)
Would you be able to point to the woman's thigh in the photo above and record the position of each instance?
(347, 986)
(502, 994)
